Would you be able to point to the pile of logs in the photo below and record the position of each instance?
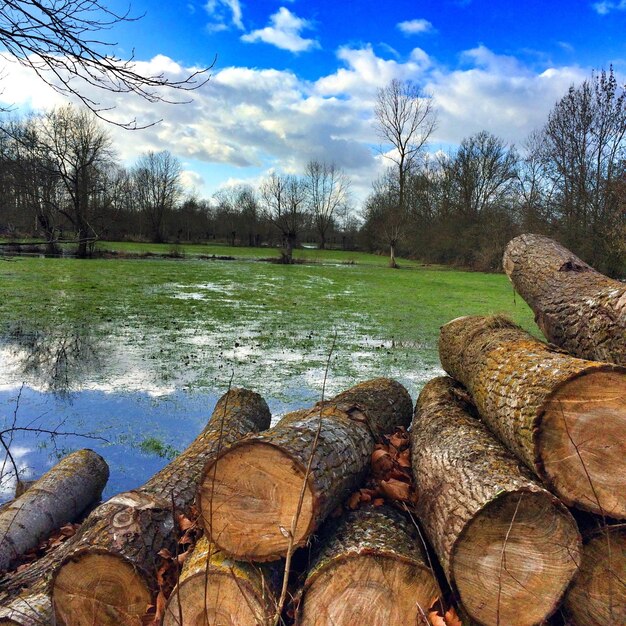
(519, 466)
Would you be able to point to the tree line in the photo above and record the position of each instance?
(568, 181)
(60, 180)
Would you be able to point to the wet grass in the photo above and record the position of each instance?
(192, 323)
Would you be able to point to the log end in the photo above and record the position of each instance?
(95, 588)
(515, 558)
(580, 441)
(223, 599)
(371, 589)
(248, 499)
(597, 596)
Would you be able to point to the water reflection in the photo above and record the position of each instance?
(54, 360)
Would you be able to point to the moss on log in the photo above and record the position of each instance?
(249, 496)
(508, 547)
(214, 589)
(564, 417)
(576, 307)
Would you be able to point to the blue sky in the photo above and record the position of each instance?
(296, 80)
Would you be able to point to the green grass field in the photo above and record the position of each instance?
(195, 323)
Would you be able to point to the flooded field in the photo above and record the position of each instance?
(134, 353)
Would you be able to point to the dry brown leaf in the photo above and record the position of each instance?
(435, 619)
(394, 489)
(184, 523)
(452, 619)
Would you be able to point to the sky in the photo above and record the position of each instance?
(295, 80)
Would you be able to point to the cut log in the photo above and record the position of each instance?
(508, 547)
(370, 568)
(214, 589)
(576, 307)
(61, 495)
(109, 578)
(564, 417)
(597, 596)
(249, 496)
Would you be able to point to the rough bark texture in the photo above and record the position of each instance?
(564, 417)
(31, 609)
(369, 568)
(576, 307)
(217, 590)
(111, 572)
(61, 495)
(508, 547)
(597, 596)
(251, 513)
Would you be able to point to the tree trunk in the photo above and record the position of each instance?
(576, 307)
(249, 514)
(370, 568)
(392, 256)
(110, 576)
(563, 416)
(59, 496)
(597, 596)
(213, 589)
(508, 547)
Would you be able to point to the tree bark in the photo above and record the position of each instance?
(214, 589)
(564, 417)
(32, 609)
(109, 578)
(59, 496)
(576, 307)
(597, 596)
(251, 495)
(370, 568)
(508, 547)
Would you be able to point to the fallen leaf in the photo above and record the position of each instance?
(394, 489)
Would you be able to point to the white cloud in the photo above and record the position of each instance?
(604, 8)
(415, 27)
(224, 14)
(284, 32)
(246, 121)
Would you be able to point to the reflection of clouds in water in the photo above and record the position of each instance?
(8, 479)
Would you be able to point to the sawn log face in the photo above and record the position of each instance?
(564, 417)
(250, 513)
(111, 570)
(508, 547)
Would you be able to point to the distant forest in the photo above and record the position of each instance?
(60, 180)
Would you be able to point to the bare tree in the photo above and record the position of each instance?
(60, 41)
(484, 171)
(384, 216)
(283, 198)
(157, 186)
(73, 149)
(583, 152)
(327, 191)
(405, 119)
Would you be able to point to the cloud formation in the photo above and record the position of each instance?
(415, 27)
(604, 8)
(247, 121)
(284, 32)
(224, 14)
